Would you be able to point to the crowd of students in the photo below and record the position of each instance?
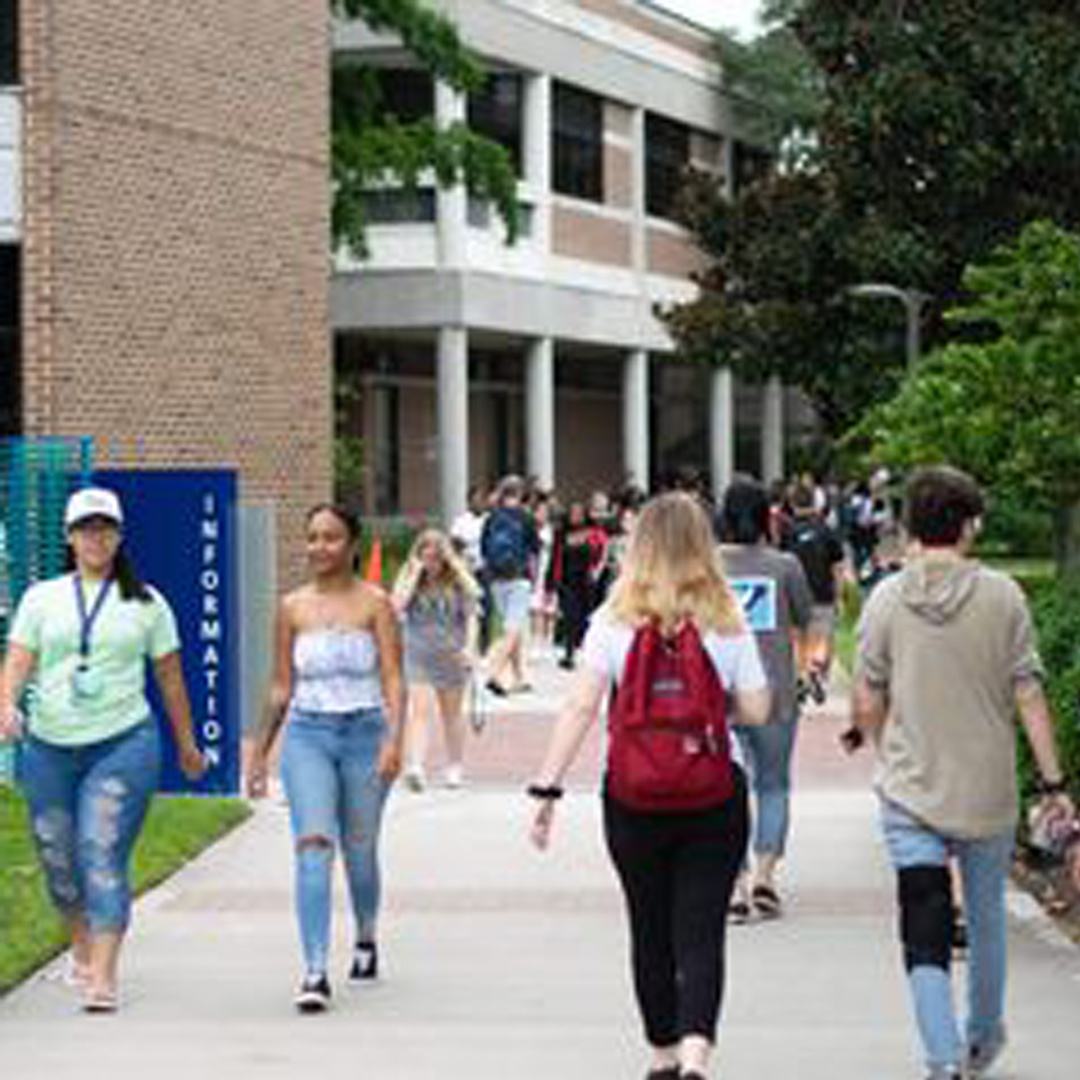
(713, 624)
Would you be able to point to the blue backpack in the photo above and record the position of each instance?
(505, 544)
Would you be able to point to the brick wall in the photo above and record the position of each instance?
(175, 274)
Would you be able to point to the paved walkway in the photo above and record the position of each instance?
(501, 963)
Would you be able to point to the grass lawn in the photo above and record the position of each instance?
(176, 830)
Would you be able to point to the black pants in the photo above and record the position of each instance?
(677, 873)
(576, 605)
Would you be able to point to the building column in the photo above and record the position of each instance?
(540, 411)
(772, 430)
(537, 156)
(636, 417)
(452, 377)
(721, 428)
(451, 203)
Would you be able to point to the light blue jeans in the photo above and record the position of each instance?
(984, 868)
(767, 751)
(87, 806)
(336, 798)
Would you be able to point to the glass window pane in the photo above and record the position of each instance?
(577, 138)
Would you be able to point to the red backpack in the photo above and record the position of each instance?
(668, 747)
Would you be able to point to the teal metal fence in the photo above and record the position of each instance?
(36, 477)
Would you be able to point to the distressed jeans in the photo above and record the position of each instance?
(336, 796)
(984, 868)
(87, 805)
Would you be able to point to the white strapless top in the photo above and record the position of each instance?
(336, 671)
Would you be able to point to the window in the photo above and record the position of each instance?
(9, 42)
(577, 143)
(495, 112)
(405, 93)
(395, 206)
(667, 155)
(10, 347)
(748, 163)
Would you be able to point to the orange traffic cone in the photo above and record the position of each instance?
(374, 565)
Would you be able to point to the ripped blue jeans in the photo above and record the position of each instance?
(87, 805)
(330, 770)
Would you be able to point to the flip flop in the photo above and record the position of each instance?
(738, 912)
(100, 1002)
(766, 902)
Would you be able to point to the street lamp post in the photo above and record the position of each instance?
(913, 301)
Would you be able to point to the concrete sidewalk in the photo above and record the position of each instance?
(502, 963)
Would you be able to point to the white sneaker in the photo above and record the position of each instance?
(454, 776)
(414, 778)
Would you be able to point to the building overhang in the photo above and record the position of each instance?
(427, 299)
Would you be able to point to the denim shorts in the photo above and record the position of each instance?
(511, 597)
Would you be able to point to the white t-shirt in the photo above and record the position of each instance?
(735, 657)
(466, 529)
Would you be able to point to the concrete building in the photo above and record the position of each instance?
(164, 216)
(472, 357)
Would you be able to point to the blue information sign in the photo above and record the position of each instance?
(180, 529)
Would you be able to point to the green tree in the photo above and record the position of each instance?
(1004, 408)
(368, 146)
(945, 126)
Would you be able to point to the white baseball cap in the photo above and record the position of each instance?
(93, 502)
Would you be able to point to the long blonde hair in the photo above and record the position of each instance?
(673, 571)
(454, 576)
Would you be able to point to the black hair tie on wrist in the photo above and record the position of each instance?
(544, 792)
(1057, 787)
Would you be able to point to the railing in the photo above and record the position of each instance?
(36, 477)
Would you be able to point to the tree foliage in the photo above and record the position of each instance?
(1005, 409)
(945, 126)
(369, 147)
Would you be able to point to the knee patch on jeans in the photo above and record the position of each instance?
(926, 916)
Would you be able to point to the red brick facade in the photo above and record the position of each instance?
(176, 237)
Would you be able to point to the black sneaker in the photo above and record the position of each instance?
(365, 963)
(313, 995)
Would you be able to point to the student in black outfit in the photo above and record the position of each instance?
(819, 550)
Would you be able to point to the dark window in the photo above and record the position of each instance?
(406, 94)
(392, 206)
(667, 155)
(749, 163)
(10, 343)
(577, 143)
(9, 42)
(495, 112)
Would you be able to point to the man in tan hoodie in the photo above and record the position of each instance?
(947, 662)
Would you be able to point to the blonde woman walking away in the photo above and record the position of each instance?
(91, 753)
(436, 599)
(337, 680)
(677, 865)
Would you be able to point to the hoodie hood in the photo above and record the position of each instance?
(937, 590)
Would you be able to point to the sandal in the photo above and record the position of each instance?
(738, 912)
(766, 901)
(100, 1002)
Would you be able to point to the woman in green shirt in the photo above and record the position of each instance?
(91, 755)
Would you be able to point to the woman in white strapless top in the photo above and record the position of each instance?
(337, 678)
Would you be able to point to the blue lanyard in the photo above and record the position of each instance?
(86, 622)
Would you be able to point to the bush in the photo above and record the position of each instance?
(1056, 609)
(1014, 528)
